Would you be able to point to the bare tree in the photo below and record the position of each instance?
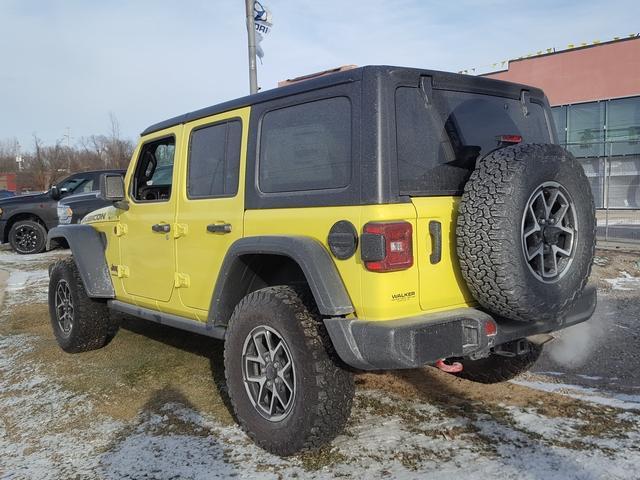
(9, 151)
(36, 166)
(50, 163)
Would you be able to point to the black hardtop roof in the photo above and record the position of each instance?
(445, 80)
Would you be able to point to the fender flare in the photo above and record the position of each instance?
(313, 258)
(87, 246)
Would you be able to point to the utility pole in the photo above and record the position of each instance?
(68, 137)
(251, 32)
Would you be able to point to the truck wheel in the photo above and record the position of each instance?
(28, 236)
(497, 368)
(79, 323)
(287, 386)
(526, 232)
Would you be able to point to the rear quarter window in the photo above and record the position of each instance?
(306, 147)
(439, 142)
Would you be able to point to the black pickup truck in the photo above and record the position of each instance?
(73, 208)
(26, 219)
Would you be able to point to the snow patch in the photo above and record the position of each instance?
(31, 283)
(625, 282)
(615, 400)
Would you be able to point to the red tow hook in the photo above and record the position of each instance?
(455, 367)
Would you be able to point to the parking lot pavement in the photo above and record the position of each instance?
(152, 404)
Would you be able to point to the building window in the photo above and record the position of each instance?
(605, 137)
(306, 147)
(624, 182)
(585, 129)
(560, 119)
(623, 126)
(594, 169)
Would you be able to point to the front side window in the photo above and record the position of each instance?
(152, 180)
(306, 147)
(214, 160)
(439, 142)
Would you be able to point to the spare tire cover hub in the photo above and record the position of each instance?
(549, 229)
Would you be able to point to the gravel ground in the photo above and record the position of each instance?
(153, 405)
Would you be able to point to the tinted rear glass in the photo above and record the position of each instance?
(306, 147)
(438, 144)
(214, 160)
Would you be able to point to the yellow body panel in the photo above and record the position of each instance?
(200, 253)
(176, 272)
(148, 255)
(312, 222)
(441, 284)
(105, 220)
(380, 296)
(392, 294)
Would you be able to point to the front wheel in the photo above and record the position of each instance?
(286, 383)
(28, 237)
(79, 322)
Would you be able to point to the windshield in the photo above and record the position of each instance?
(438, 143)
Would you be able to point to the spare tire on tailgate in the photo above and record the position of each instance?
(526, 232)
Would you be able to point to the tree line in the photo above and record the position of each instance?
(47, 164)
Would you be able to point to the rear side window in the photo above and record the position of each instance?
(214, 160)
(438, 143)
(306, 147)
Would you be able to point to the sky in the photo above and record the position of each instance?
(72, 63)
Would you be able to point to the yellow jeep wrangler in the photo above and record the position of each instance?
(378, 218)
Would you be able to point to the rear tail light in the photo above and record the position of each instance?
(490, 328)
(387, 246)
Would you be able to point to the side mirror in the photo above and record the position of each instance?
(112, 190)
(111, 187)
(55, 192)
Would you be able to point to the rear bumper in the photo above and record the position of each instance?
(422, 340)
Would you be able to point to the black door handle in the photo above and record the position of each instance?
(435, 230)
(161, 228)
(219, 228)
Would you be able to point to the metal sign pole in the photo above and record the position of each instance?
(251, 32)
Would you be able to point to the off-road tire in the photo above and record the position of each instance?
(497, 368)
(36, 229)
(93, 326)
(324, 388)
(489, 232)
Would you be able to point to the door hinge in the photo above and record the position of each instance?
(120, 271)
(120, 229)
(181, 280)
(180, 230)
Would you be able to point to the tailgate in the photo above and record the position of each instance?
(441, 283)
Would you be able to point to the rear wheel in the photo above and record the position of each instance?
(286, 383)
(28, 237)
(79, 322)
(498, 368)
